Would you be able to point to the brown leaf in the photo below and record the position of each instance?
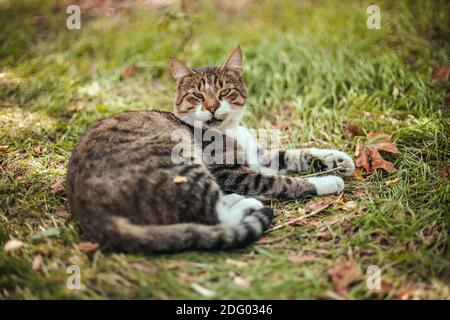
(129, 71)
(269, 240)
(440, 74)
(39, 150)
(343, 273)
(180, 179)
(358, 174)
(346, 225)
(76, 106)
(392, 182)
(62, 213)
(409, 291)
(388, 147)
(377, 161)
(58, 185)
(37, 262)
(87, 247)
(445, 172)
(298, 259)
(362, 159)
(350, 130)
(3, 148)
(232, 6)
(283, 124)
(350, 205)
(368, 156)
(318, 205)
(358, 193)
(386, 286)
(378, 136)
(325, 235)
(241, 282)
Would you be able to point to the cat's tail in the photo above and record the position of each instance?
(129, 237)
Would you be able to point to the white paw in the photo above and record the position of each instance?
(247, 205)
(333, 159)
(229, 200)
(327, 184)
(238, 210)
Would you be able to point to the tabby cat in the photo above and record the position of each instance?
(129, 194)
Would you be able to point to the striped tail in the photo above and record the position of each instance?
(129, 237)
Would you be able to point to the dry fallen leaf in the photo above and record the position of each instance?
(444, 172)
(37, 262)
(350, 130)
(39, 150)
(76, 106)
(358, 174)
(12, 245)
(409, 291)
(346, 225)
(350, 205)
(58, 185)
(283, 124)
(241, 282)
(300, 258)
(62, 213)
(317, 205)
(3, 148)
(343, 273)
(368, 156)
(129, 71)
(325, 235)
(87, 247)
(440, 74)
(74, 259)
(232, 6)
(236, 263)
(269, 240)
(207, 293)
(180, 179)
(392, 182)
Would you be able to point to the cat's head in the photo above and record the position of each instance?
(213, 96)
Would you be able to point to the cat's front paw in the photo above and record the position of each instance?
(327, 185)
(333, 159)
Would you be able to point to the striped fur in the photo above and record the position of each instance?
(129, 194)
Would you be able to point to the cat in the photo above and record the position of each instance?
(129, 194)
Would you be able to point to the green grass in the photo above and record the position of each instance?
(315, 55)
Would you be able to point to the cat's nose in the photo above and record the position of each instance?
(212, 106)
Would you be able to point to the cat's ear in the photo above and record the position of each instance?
(234, 61)
(178, 68)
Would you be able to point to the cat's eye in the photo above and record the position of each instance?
(224, 93)
(198, 95)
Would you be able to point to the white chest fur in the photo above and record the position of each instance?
(248, 142)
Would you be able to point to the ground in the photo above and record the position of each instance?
(310, 66)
